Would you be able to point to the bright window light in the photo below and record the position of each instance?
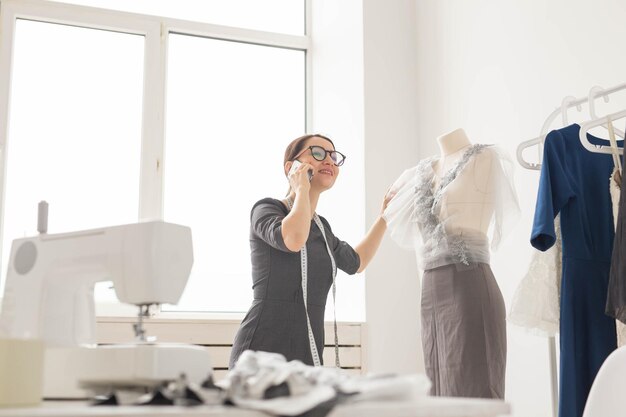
(232, 108)
(74, 135)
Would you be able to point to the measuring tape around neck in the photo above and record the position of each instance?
(304, 271)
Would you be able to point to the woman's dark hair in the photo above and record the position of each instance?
(297, 145)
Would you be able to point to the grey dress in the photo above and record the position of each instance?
(276, 321)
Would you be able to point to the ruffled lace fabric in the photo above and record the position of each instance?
(536, 300)
(414, 215)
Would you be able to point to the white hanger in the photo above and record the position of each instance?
(606, 121)
(617, 162)
(602, 121)
(566, 104)
(598, 91)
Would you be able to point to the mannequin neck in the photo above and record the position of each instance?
(452, 142)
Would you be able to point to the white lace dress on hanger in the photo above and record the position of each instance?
(536, 301)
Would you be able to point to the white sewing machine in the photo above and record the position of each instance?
(49, 294)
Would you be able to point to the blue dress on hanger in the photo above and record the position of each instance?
(575, 183)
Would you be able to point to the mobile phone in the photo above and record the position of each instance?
(295, 166)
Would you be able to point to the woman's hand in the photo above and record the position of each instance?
(389, 195)
(299, 179)
(297, 224)
(370, 243)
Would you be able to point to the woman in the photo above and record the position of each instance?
(278, 320)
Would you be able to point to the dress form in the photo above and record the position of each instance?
(469, 200)
(452, 142)
(451, 146)
(443, 209)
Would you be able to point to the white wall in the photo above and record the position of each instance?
(498, 68)
(365, 97)
(391, 145)
(337, 79)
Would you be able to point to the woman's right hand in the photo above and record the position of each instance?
(299, 179)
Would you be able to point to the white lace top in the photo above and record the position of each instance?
(425, 216)
(536, 301)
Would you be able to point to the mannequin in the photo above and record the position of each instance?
(443, 209)
(452, 142)
(473, 189)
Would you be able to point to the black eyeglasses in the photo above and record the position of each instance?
(319, 154)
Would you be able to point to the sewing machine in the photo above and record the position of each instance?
(49, 295)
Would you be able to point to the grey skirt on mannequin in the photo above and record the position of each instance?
(464, 331)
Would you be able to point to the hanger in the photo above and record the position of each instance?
(566, 104)
(605, 121)
(617, 162)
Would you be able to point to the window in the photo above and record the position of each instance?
(75, 129)
(231, 110)
(116, 117)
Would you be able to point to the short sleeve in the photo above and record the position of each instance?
(266, 220)
(555, 190)
(346, 258)
(507, 210)
(399, 212)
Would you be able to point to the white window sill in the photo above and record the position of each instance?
(129, 311)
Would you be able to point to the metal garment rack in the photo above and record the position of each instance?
(568, 103)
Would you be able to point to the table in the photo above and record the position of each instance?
(422, 407)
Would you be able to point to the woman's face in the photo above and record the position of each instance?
(325, 172)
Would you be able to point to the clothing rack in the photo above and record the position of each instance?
(566, 104)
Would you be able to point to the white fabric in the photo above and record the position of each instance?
(427, 215)
(536, 301)
(614, 189)
(309, 386)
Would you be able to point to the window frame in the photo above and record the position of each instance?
(156, 31)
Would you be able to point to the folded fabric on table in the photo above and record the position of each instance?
(267, 382)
